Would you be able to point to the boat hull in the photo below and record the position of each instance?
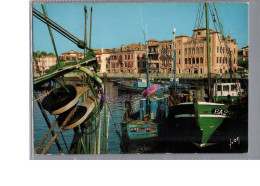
(138, 135)
(200, 122)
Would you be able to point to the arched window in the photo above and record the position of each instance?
(179, 71)
(185, 51)
(197, 50)
(193, 50)
(201, 70)
(197, 60)
(186, 60)
(201, 60)
(201, 50)
(193, 60)
(189, 71)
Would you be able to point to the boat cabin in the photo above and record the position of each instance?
(224, 90)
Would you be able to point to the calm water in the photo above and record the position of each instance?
(117, 107)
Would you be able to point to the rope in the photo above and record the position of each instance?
(61, 127)
(43, 95)
(45, 137)
(117, 130)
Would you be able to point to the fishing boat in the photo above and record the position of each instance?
(62, 99)
(133, 86)
(206, 123)
(140, 129)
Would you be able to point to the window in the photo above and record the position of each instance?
(189, 71)
(199, 33)
(197, 60)
(125, 56)
(179, 43)
(195, 71)
(189, 60)
(217, 59)
(193, 60)
(201, 60)
(197, 50)
(220, 71)
(170, 46)
(234, 60)
(179, 61)
(185, 60)
(189, 50)
(201, 70)
(220, 49)
(220, 60)
(219, 88)
(201, 50)
(179, 51)
(186, 51)
(233, 88)
(217, 49)
(193, 50)
(225, 88)
(179, 71)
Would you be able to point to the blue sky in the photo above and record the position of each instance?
(117, 24)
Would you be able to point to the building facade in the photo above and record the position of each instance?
(71, 56)
(128, 59)
(245, 53)
(45, 62)
(103, 56)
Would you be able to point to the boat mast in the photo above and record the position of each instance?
(208, 51)
(174, 58)
(230, 59)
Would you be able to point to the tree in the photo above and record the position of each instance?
(242, 63)
(50, 54)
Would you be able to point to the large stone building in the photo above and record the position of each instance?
(191, 53)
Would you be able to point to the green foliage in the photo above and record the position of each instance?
(41, 53)
(242, 63)
(50, 54)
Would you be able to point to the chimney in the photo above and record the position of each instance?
(102, 50)
(122, 46)
(140, 46)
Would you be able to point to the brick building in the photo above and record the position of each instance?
(191, 53)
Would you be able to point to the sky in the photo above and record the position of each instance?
(114, 25)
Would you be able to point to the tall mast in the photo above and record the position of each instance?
(208, 50)
(85, 29)
(230, 60)
(174, 58)
(90, 27)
